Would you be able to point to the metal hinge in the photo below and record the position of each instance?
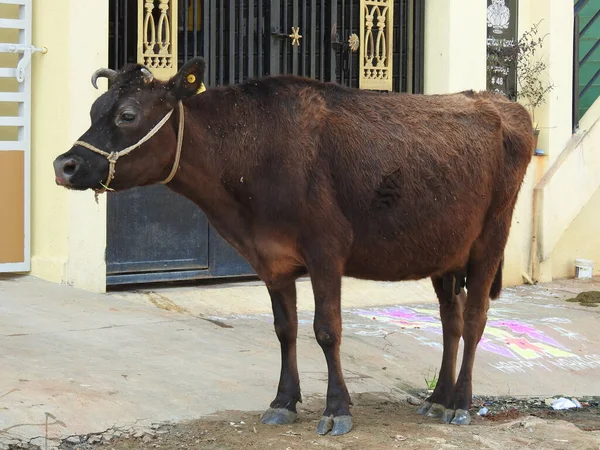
(27, 51)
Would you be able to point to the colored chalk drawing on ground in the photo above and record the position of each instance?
(520, 344)
(574, 363)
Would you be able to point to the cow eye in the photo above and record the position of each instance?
(127, 116)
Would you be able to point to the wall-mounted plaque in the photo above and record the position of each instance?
(501, 37)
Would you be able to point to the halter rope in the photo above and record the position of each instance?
(114, 156)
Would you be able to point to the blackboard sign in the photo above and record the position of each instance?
(501, 37)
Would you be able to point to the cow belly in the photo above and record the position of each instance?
(395, 261)
(389, 254)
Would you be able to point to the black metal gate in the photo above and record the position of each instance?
(156, 235)
(242, 39)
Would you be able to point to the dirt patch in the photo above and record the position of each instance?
(507, 414)
(586, 417)
(164, 302)
(589, 298)
(380, 422)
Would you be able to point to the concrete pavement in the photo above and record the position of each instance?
(75, 363)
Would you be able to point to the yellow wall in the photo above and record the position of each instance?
(554, 117)
(567, 175)
(567, 197)
(517, 251)
(554, 121)
(569, 213)
(68, 228)
(581, 240)
(576, 207)
(455, 45)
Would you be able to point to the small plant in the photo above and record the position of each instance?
(524, 55)
(431, 382)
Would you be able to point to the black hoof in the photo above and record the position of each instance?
(278, 416)
(436, 410)
(337, 425)
(424, 408)
(447, 416)
(461, 417)
(341, 425)
(325, 424)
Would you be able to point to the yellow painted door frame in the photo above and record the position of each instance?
(376, 44)
(157, 36)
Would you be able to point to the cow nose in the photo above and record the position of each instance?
(70, 166)
(65, 168)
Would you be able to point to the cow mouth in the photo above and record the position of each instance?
(61, 181)
(67, 184)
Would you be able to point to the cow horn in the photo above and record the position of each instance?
(148, 77)
(107, 73)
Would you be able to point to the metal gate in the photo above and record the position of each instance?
(156, 235)
(243, 39)
(15, 127)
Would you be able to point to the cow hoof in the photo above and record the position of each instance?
(461, 417)
(325, 425)
(278, 416)
(337, 425)
(447, 416)
(436, 410)
(424, 408)
(341, 425)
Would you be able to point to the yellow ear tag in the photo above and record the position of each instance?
(191, 78)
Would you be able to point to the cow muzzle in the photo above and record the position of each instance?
(113, 157)
(66, 168)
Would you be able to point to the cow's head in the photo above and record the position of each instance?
(136, 107)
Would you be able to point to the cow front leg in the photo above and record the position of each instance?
(328, 331)
(283, 409)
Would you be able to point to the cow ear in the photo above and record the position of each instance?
(189, 80)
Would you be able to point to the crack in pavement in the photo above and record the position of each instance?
(126, 430)
(389, 344)
(105, 327)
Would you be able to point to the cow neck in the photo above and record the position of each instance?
(199, 177)
(225, 213)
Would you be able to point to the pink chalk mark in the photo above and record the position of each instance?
(489, 346)
(523, 328)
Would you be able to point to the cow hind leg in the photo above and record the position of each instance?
(484, 262)
(452, 299)
(283, 409)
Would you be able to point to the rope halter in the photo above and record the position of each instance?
(114, 156)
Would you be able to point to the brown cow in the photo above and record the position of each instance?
(304, 177)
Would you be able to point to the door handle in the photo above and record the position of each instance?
(27, 51)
